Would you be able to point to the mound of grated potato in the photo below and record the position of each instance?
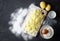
(33, 21)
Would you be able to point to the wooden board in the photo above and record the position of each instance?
(30, 25)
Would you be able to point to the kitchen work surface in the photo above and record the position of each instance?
(9, 11)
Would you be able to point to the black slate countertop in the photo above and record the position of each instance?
(8, 6)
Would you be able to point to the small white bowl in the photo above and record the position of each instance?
(49, 34)
(52, 14)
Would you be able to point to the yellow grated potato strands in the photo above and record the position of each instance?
(32, 21)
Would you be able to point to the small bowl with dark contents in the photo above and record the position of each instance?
(46, 32)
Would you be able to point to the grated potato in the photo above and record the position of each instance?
(33, 21)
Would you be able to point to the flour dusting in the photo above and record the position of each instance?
(17, 19)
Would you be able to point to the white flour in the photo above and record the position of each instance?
(17, 18)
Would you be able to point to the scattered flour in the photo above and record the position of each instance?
(17, 18)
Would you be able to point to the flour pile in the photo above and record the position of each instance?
(17, 19)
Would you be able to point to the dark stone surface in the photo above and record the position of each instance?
(8, 6)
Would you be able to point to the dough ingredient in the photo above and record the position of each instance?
(42, 4)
